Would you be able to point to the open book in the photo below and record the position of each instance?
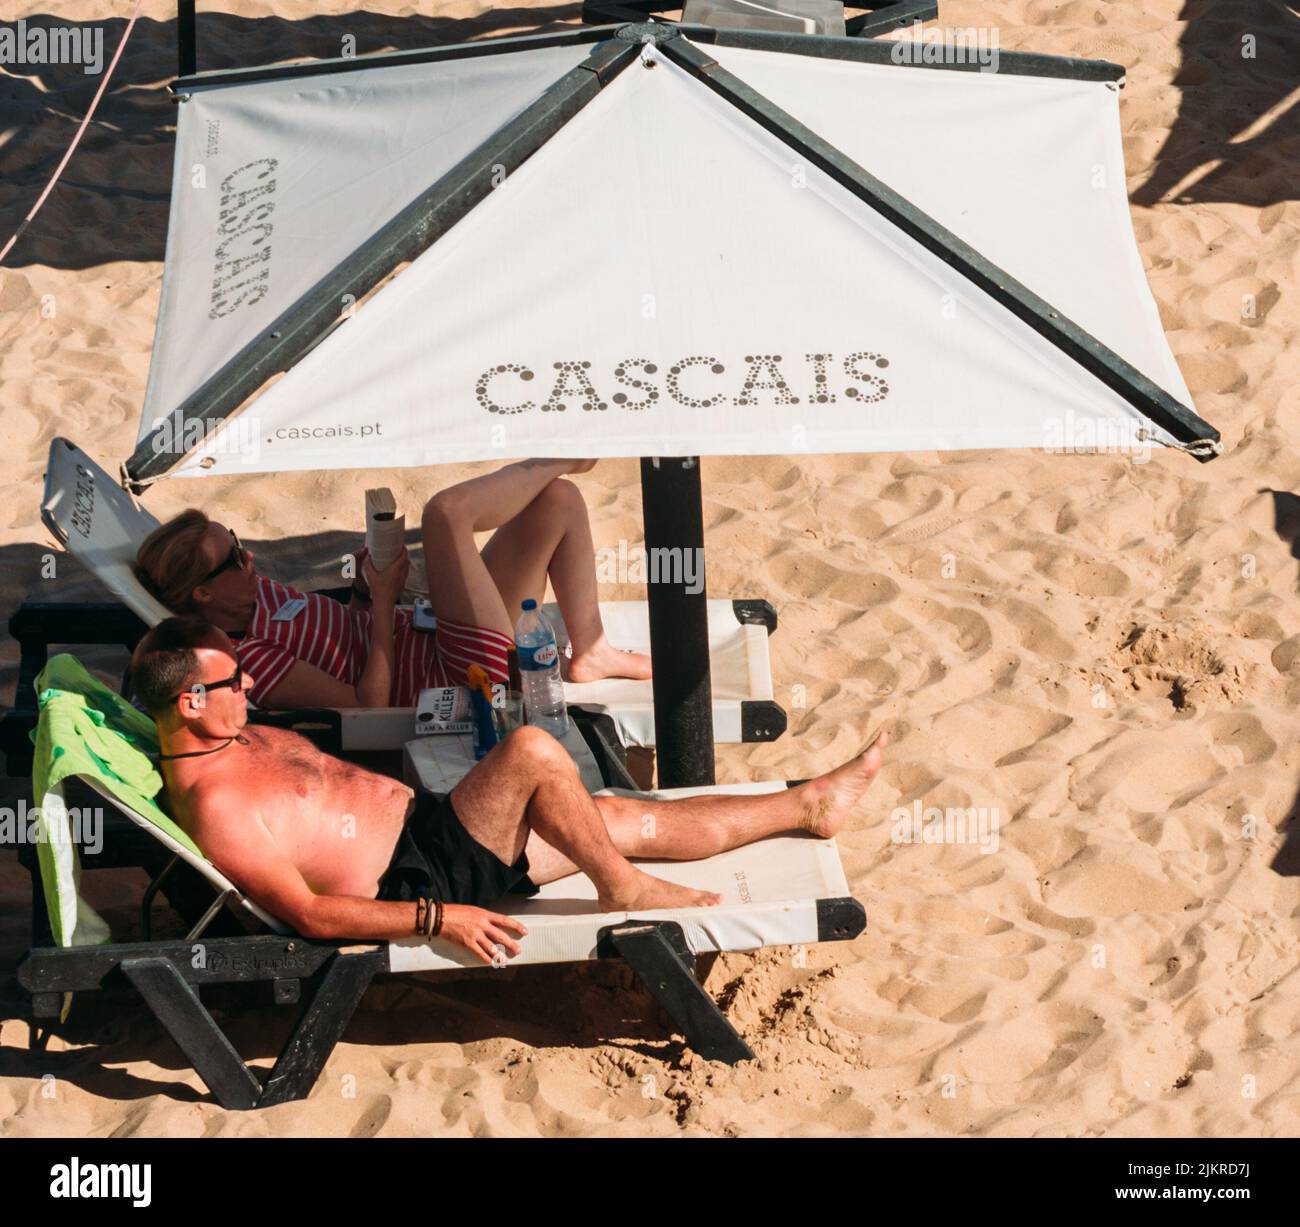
(385, 528)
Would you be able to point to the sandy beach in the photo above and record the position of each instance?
(1107, 653)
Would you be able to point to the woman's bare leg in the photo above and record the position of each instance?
(542, 530)
(552, 536)
(461, 589)
(696, 827)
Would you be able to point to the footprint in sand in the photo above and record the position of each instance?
(1192, 665)
(1095, 886)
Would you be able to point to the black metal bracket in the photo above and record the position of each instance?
(657, 953)
(644, 33)
(755, 612)
(601, 735)
(840, 920)
(761, 720)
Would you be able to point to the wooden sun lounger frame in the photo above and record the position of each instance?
(163, 972)
(165, 975)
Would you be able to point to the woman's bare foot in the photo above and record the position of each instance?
(641, 892)
(827, 801)
(603, 659)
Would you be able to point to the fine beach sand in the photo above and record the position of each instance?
(1106, 652)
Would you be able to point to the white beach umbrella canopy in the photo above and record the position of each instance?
(615, 251)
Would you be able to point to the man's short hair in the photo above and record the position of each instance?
(165, 662)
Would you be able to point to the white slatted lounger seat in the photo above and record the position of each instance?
(97, 521)
(770, 890)
(785, 890)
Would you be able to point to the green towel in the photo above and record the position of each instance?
(87, 730)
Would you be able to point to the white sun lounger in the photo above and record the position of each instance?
(786, 890)
(102, 526)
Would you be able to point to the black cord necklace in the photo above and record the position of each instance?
(238, 737)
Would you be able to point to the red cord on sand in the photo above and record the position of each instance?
(99, 93)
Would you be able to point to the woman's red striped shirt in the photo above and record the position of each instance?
(336, 639)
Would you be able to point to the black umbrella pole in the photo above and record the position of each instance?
(673, 510)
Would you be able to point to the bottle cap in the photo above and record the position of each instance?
(529, 604)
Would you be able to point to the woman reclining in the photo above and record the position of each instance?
(308, 650)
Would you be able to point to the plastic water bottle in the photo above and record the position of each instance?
(539, 668)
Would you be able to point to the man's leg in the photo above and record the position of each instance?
(696, 827)
(529, 783)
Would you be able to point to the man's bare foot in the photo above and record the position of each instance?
(828, 800)
(643, 892)
(603, 659)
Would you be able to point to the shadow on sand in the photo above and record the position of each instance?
(124, 162)
(1233, 140)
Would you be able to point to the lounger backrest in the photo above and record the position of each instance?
(88, 732)
(204, 866)
(98, 522)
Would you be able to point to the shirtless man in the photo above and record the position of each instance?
(334, 850)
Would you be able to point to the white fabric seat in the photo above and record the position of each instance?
(770, 892)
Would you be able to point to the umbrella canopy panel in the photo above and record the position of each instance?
(275, 182)
(1028, 170)
(664, 276)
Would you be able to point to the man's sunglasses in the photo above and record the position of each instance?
(238, 557)
(235, 681)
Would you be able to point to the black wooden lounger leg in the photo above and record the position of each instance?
(321, 1026)
(167, 977)
(177, 1006)
(649, 949)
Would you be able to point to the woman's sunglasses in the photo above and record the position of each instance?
(238, 557)
(235, 681)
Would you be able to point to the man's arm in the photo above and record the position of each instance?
(251, 859)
